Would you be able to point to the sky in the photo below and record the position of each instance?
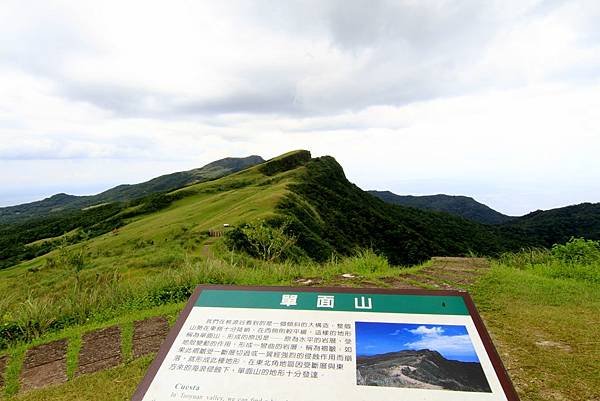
(451, 341)
(496, 99)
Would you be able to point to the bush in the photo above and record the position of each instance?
(578, 259)
(261, 240)
(577, 250)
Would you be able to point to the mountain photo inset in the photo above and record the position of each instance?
(423, 356)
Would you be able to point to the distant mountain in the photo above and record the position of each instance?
(310, 197)
(164, 183)
(542, 228)
(424, 369)
(462, 206)
(549, 227)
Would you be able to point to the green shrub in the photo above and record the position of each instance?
(262, 240)
(577, 250)
(578, 259)
(526, 258)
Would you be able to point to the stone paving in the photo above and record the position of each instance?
(101, 349)
(44, 365)
(3, 363)
(148, 335)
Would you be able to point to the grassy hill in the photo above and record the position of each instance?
(309, 197)
(149, 243)
(144, 241)
(329, 214)
(34, 229)
(64, 202)
(462, 206)
(144, 258)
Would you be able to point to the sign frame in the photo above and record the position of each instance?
(498, 366)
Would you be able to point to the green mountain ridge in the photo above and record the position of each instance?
(126, 192)
(541, 228)
(310, 197)
(329, 214)
(119, 263)
(458, 205)
(549, 227)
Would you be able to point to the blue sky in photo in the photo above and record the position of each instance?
(451, 341)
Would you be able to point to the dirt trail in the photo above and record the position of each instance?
(443, 273)
(448, 273)
(451, 272)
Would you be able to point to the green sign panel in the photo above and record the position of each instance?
(314, 344)
(330, 301)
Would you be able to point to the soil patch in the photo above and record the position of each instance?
(3, 362)
(462, 278)
(309, 282)
(457, 271)
(397, 282)
(45, 365)
(421, 278)
(148, 335)
(553, 344)
(101, 349)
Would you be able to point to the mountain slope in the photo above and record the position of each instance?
(154, 241)
(168, 182)
(555, 226)
(330, 214)
(420, 369)
(462, 206)
(311, 197)
(542, 228)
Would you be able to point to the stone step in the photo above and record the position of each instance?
(101, 349)
(148, 335)
(44, 365)
(3, 363)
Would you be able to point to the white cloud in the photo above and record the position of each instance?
(434, 331)
(496, 100)
(433, 338)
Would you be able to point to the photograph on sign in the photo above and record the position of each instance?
(420, 356)
(286, 344)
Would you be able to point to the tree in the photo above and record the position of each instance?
(264, 241)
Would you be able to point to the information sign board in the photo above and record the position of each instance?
(314, 344)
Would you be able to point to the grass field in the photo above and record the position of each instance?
(121, 304)
(542, 307)
(545, 328)
(76, 283)
(544, 314)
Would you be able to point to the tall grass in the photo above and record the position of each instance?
(578, 259)
(106, 295)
